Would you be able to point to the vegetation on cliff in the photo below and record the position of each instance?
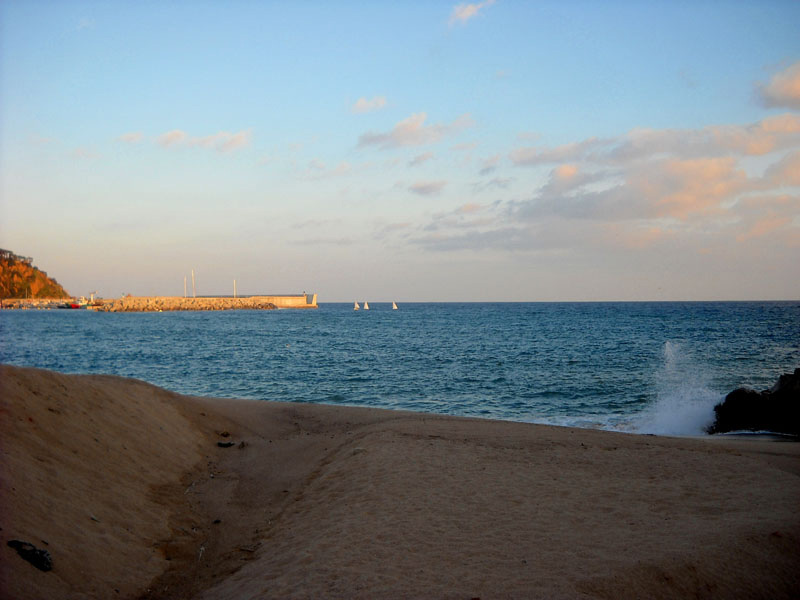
(20, 279)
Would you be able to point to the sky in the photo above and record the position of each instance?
(410, 151)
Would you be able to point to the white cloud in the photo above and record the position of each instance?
(363, 105)
(783, 90)
(414, 132)
(462, 13)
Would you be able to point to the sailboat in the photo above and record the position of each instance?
(356, 307)
(394, 306)
(366, 305)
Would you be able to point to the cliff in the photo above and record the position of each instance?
(19, 278)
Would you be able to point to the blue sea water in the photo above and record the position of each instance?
(644, 367)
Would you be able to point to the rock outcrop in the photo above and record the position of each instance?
(776, 409)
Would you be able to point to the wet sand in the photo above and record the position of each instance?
(128, 489)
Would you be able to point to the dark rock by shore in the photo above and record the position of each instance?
(776, 409)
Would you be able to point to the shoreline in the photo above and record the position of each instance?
(215, 498)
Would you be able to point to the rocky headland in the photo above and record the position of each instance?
(19, 278)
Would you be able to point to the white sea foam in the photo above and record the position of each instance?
(684, 403)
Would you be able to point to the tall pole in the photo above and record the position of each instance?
(194, 292)
(234, 288)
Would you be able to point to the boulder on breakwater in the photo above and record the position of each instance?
(776, 410)
(164, 303)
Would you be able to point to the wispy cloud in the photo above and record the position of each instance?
(318, 169)
(420, 159)
(222, 141)
(363, 105)
(414, 132)
(783, 90)
(172, 138)
(490, 165)
(133, 137)
(427, 188)
(462, 13)
(84, 153)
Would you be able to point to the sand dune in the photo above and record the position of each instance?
(127, 489)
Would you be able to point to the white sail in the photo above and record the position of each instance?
(394, 306)
(356, 307)
(366, 305)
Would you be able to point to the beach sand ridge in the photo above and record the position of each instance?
(139, 492)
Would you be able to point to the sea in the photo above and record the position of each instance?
(640, 367)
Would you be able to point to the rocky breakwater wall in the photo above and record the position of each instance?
(163, 303)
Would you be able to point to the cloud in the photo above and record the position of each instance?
(635, 237)
(131, 138)
(678, 188)
(172, 138)
(427, 188)
(222, 141)
(534, 156)
(568, 177)
(414, 132)
(496, 182)
(363, 105)
(420, 159)
(644, 189)
(772, 134)
(490, 165)
(786, 172)
(84, 153)
(767, 215)
(318, 169)
(231, 142)
(763, 226)
(464, 12)
(470, 207)
(783, 90)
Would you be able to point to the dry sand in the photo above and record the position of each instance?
(125, 486)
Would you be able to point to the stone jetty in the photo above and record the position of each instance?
(167, 303)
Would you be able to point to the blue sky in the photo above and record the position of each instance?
(405, 151)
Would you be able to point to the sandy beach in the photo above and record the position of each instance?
(137, 492)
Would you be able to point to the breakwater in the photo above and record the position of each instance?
(167, 303)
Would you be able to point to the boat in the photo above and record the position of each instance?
(366, 305)
(394, 306)
(356, 307)
(73, 305)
